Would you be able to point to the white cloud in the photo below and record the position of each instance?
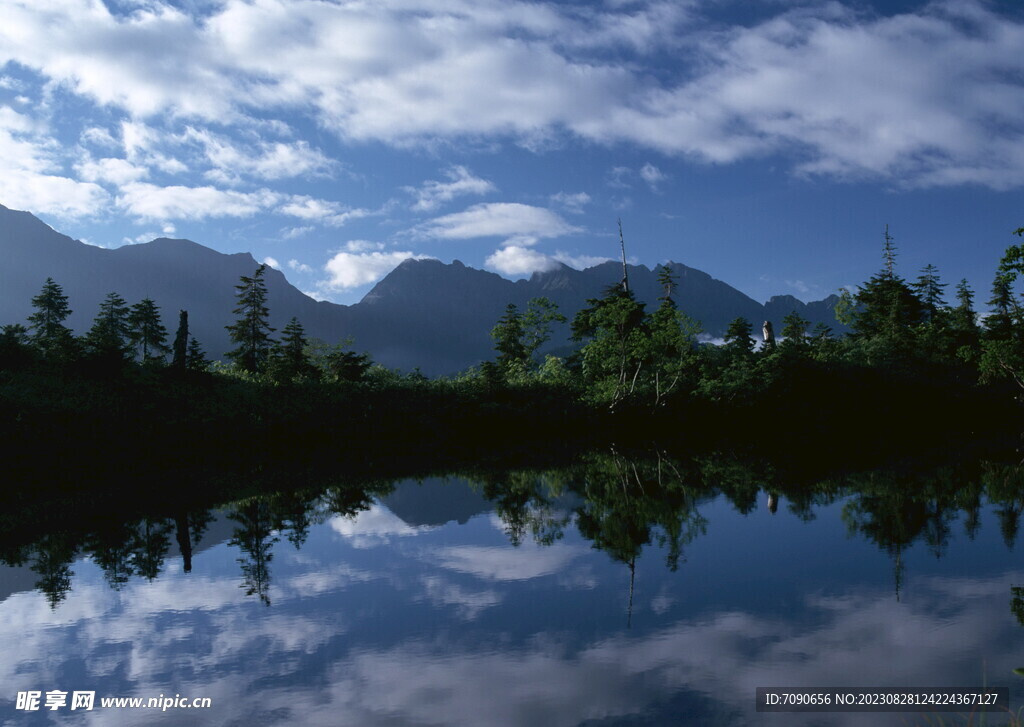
(264, 160)
(499, 219)
(272, 262)
(322, 211)
(515, 260)
(351, 270)
(299, 267)
(33, 177)
(507, 564)
(929, 98)
(109, 170)
(292, 233)
(151, 202)
(573, 203)
(462, 182)
(363, 246)
(652, 175)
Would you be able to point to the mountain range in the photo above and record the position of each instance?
(424, 313)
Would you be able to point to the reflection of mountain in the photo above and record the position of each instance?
(425, 313)
(435, 501)
(15, 579)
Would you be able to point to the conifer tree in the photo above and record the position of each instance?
(108, 338)
(289, 359)
(148, 335)
(251, 332)
(195, 359)
(738, 339)
(794, 329)
(928, 289)
(508, 339)
(886, 306)
(48, 332)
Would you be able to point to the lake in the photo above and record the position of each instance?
(618, 590)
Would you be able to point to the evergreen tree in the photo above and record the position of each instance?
(928, 290)
(667, 281)
(49, 334)
(148, 335)
(963, 323)
(251, 332)
(289, 360)
(108, 339)
(794, 330)
(1003, 347)
(886, 306)
(195, 358)
(738, 339)
(508, 339)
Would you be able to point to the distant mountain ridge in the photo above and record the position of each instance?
(424, 313)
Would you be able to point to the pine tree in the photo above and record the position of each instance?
(251, 332)
(49, 334)
(667, 281)
(928, 289)
(794, 329)
(289, 360)
(886, 306)
(738, 339)
(108, 339)
(508, 339)
(148, 335)
(195, 359)
(963, 322)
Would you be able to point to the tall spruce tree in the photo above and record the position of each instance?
(289, 359)
(148, 335)
(886, 306)
(109, 337)
(48, 332)
(251, 332)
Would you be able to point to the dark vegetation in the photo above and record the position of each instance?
(916, 371)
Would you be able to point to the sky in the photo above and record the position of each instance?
(767, 143)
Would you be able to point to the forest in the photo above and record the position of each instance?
(915, 371)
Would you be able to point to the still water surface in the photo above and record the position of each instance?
(439, 606)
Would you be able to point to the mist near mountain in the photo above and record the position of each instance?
(427, 314)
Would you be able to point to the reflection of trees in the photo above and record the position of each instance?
(52, 560)
(151, 542)
(622, 501)
(255, 538)
(629, 503)
(524, 501)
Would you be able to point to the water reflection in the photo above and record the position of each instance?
(621, 589)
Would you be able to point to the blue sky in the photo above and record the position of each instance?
(766, 143)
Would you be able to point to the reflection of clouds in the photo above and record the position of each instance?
(504, 563)
(373, 527)
(329, 578)
(866, 640)
(286, 665)
(469, 603)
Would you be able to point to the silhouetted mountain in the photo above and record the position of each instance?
(424, 313)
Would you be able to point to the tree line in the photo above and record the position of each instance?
(910, 358)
